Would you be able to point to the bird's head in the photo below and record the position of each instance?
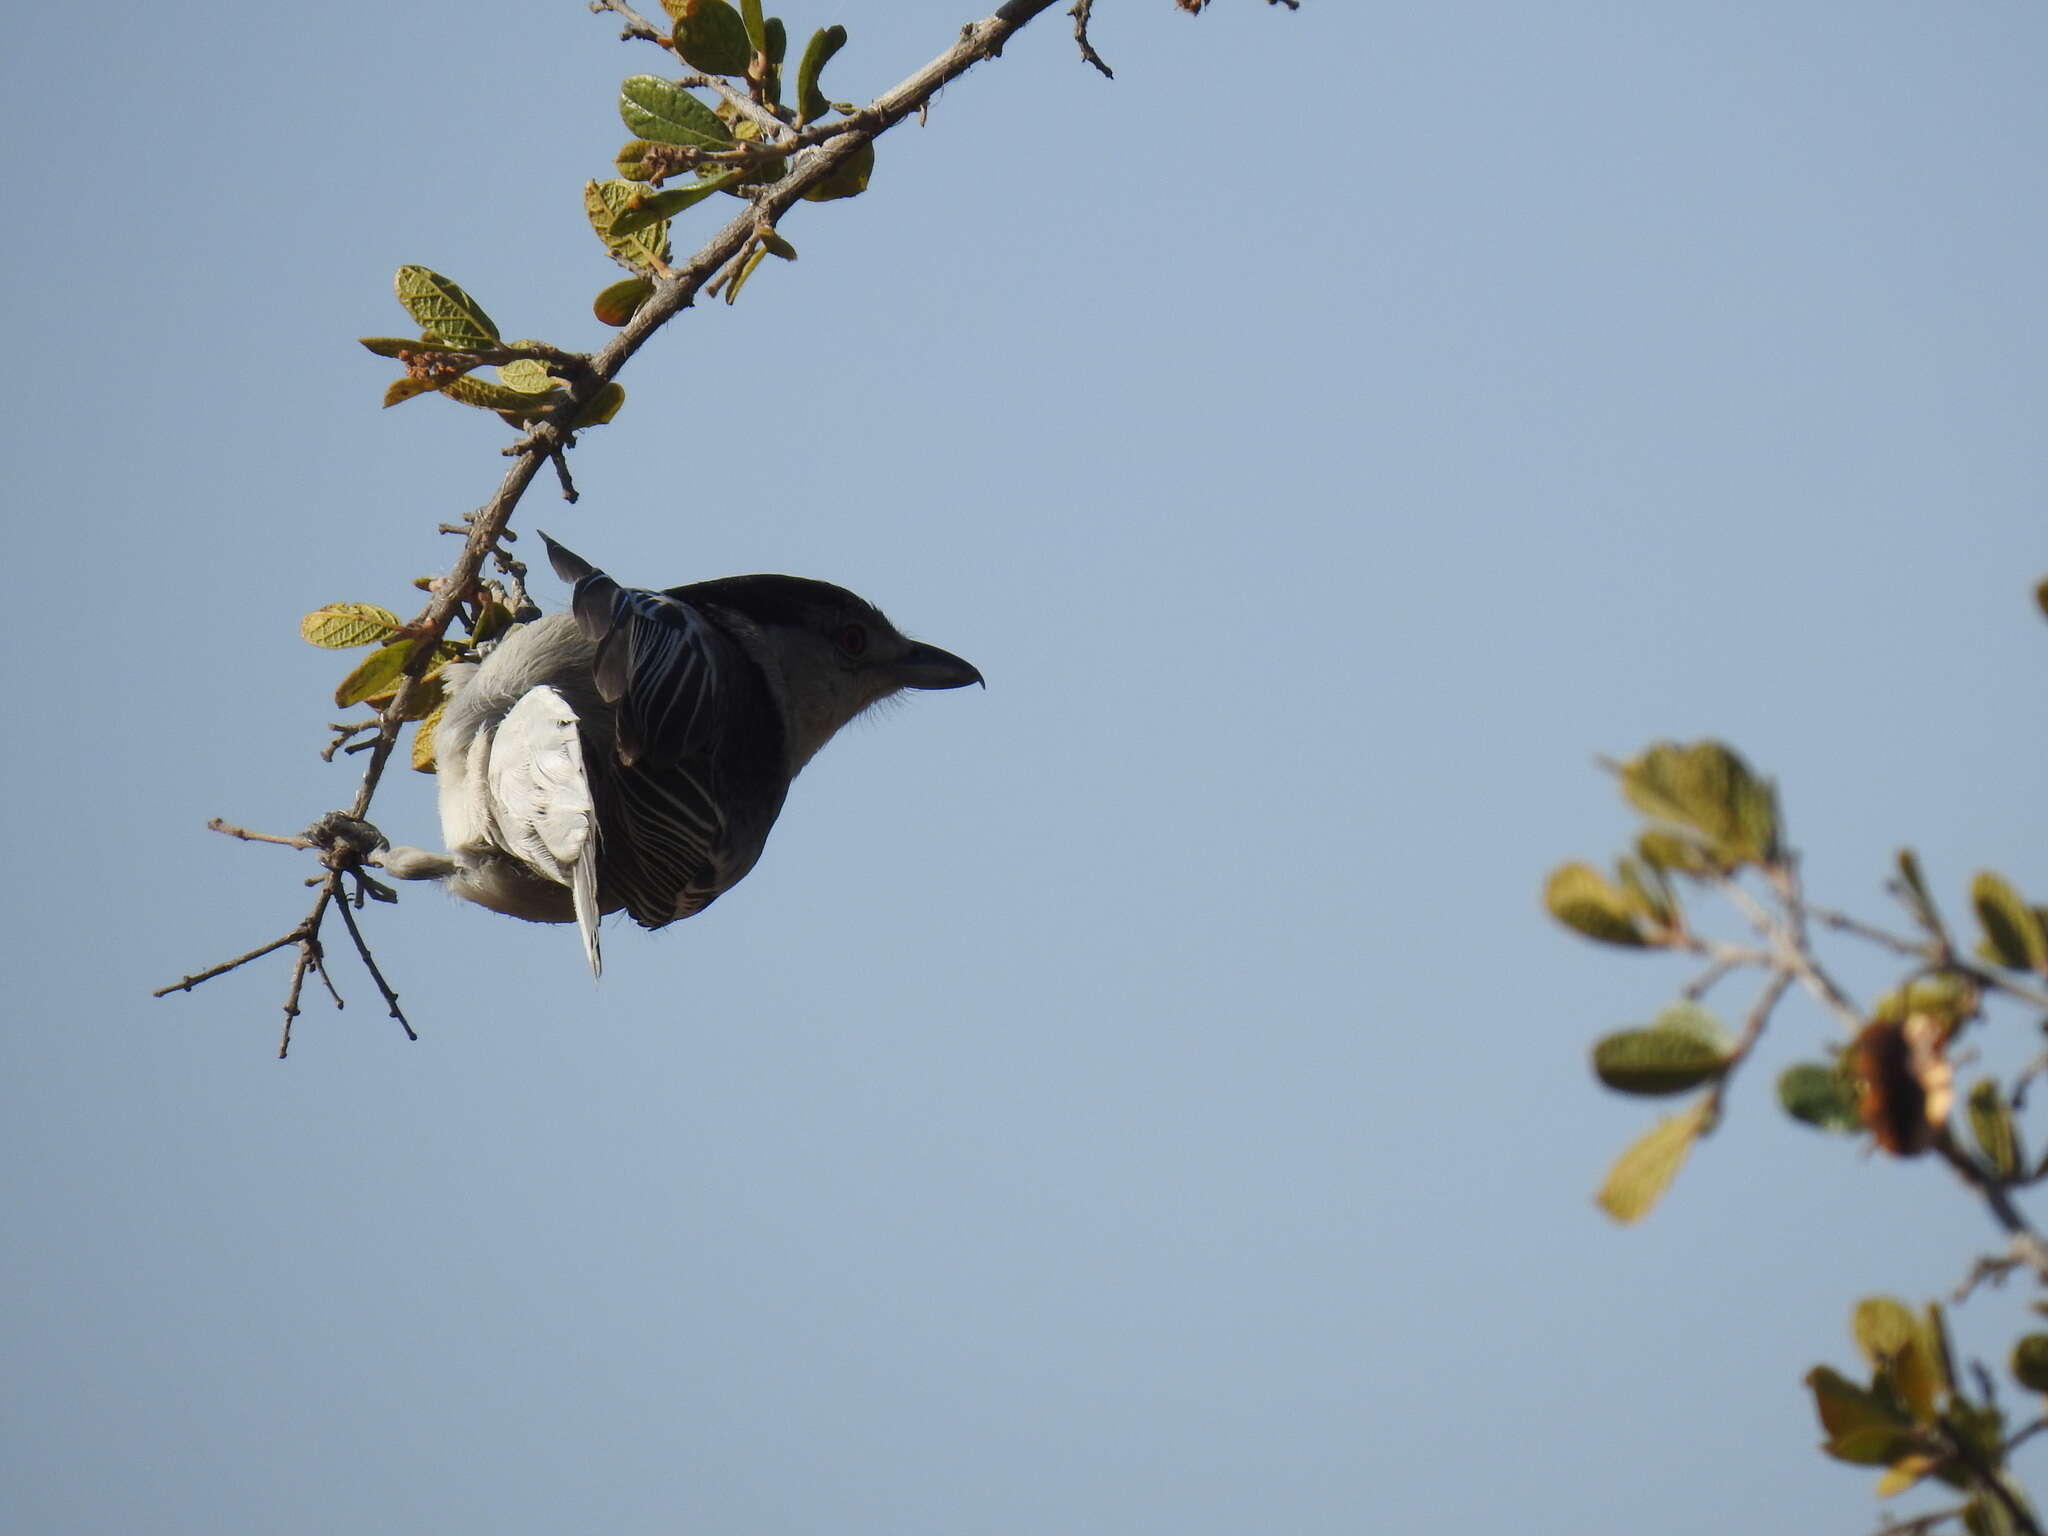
(833, 653)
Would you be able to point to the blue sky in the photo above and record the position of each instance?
(1145, 1096)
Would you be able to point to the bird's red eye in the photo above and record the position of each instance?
(853, 640)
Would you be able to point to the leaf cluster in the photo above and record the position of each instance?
(1914, 1418)
(374, 681)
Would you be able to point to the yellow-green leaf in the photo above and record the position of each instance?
(339, 626)
(849, 178)
(528, 375)
(601, 407)
(1992, 1125)
(1905, 1472)
(1582, 898)
(1947, 996)
(444, 312)
(400, 346)
(496, 397)
(1643, 1172)
(1894, 1342)
(645, 208)
(401, 390)
(1708, 789)
(641, 248)
(739, 280)
(663, 111)
(423, 740)
(375, 673)
(2012, 930)
(1685, 1047)
(711, 37)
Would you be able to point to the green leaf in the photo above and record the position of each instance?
(1913, 886)
(1645, 1170)
(1683, 1048)
(1648, 891)
(812, 103)
(1991, 1124)
(1860, 1426)
(750, 17)
(400, 346)
(711, 37)
(1581, 898)
(375, 673)
(849, 178)
(663, 111)
(528, 375)
(1708, 789)
(423, 740)
(1820, 1096)
(1894, 1342)
(739, 281)
(339, 626)
(600, 407)
(641, 248)
(2030, 1362)
(496, 397)
(618, 303)
(444, 312)
(774, 41)
(1948, 996)
(1987, 1515)
(2012, 930)
(645, 208)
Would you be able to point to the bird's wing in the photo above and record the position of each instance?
(665, 666)
(541, 800)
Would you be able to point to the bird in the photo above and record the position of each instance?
(634, 752)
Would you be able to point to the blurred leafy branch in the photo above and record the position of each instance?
(1712, 828)
(729, 115)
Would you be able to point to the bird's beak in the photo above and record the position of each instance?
(926, 666)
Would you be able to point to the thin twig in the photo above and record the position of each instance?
(1083, 12)
(1932, 953)
(1987, 1476)
(637, 27)
(1922, 1525)
(348, 919)
(229, 829)
(1752, 1030)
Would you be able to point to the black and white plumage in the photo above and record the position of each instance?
(634, 752)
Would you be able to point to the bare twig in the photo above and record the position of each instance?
(1083, 12)
(1932, 953)
(348, 919)
(637, 27)
(1922, 1525)
(1752, 1030)
(2027, 1249)
(229, 829)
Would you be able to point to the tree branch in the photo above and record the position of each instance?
(821, 150)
